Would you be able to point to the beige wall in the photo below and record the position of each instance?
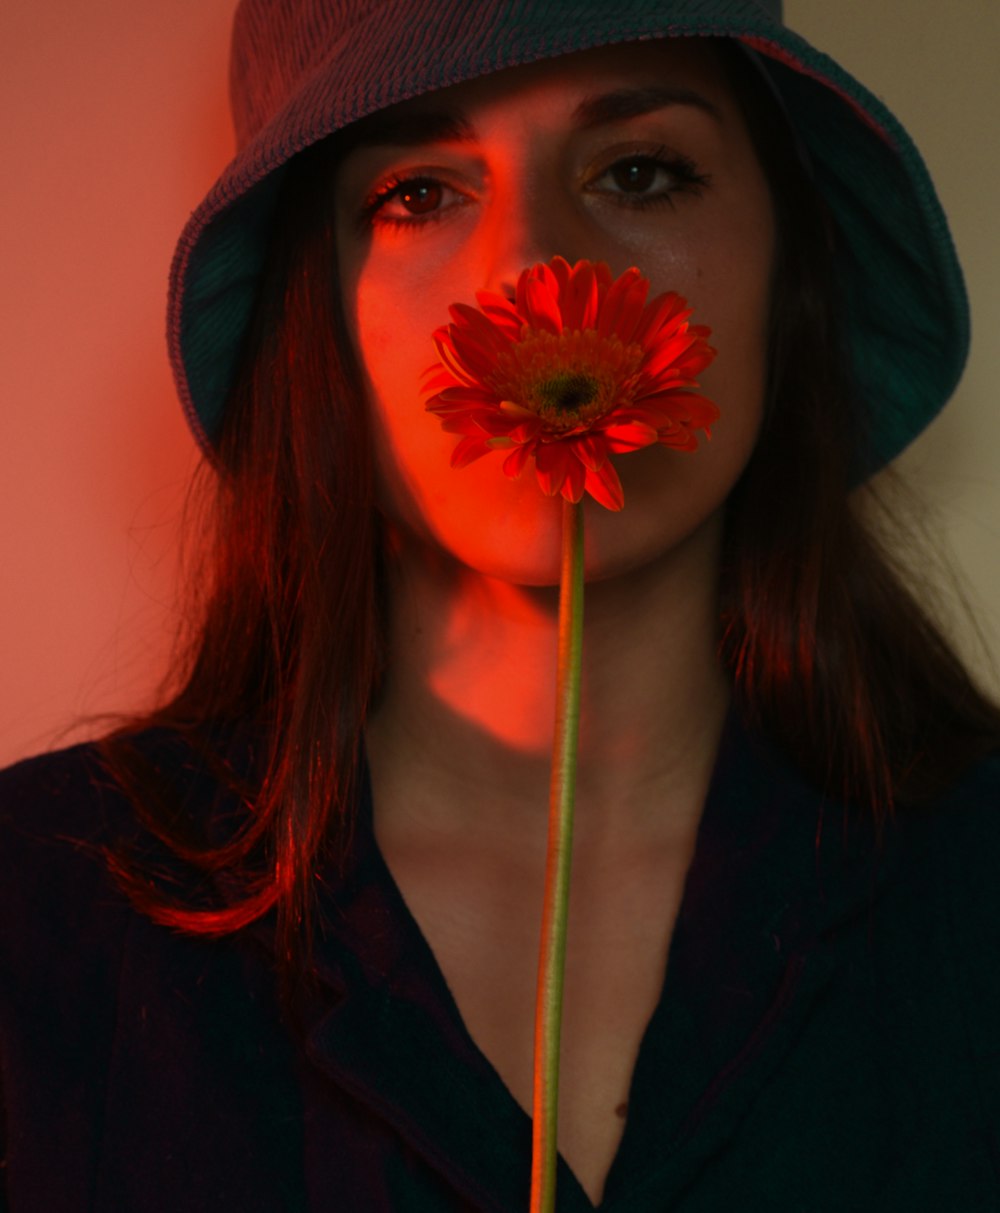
(113, 126)
(944, 85)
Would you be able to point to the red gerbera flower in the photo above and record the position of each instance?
(579, 367)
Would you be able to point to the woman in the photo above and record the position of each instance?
(777, 991)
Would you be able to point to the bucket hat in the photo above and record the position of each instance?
(303, 69)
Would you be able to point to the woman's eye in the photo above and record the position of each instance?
(413, 200)
(419, 197)
(634, 176)
(644, 179)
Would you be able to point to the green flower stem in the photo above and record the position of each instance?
(562, 787)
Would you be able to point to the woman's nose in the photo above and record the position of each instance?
(527, 226)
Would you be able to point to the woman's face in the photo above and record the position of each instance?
(633, 155)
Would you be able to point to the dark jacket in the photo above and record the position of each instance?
(827, 1040)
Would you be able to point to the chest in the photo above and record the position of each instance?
(482, 925)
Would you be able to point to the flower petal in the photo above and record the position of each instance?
(475, 326)
(579, 300)
(561, 272)
(679, 405)
(513, 465)
(622, 307)
(517, 412)
(605, 487)
(437, 379)
(667, 311)
(540, 272)
(678, 439)
(501, 312)
(466, 395)
(552, 460)
(468, 451)
(575, 482)
(592, 450)
(629, 436)
(540, 307)
(466, 423)
(665, 356)
(454, 363)
(474, 356)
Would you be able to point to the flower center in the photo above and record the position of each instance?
(567, 392)
(570, 380)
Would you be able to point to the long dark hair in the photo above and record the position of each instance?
(830, 655)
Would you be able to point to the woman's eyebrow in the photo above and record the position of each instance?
(627, 103)
(447, 126)
(409, 130)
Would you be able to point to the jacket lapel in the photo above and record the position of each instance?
(775, 872)
(384, 1027)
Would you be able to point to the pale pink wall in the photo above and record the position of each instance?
(112, 124)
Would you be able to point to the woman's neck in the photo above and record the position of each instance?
(461, 737)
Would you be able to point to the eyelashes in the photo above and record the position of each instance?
(637, 180)
(646, 179)
(411, 199)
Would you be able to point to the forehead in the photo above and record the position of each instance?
(640, 75)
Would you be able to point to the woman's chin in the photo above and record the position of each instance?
(510, 530)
